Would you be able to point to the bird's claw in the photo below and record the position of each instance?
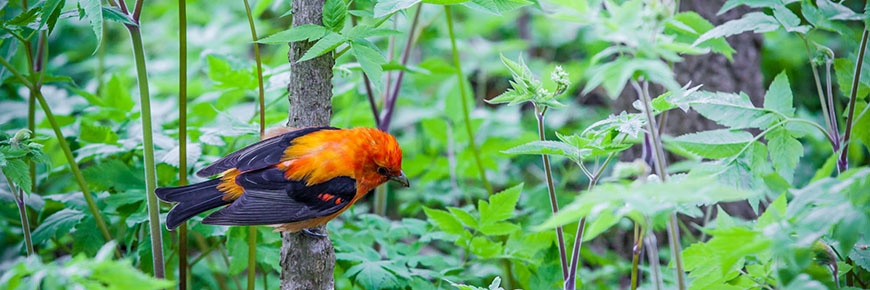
(314, 232)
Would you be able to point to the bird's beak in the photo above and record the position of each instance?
(401, 179)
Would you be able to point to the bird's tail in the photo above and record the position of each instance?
(192, 200)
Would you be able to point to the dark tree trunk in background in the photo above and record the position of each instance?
(716, 73)
(308, 262)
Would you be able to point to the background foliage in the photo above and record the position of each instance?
(567, 59)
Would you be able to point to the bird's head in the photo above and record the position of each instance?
(384, 157)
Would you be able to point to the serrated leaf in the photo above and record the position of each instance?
(60, 222)
(334, 14)
(785, 152)
(730, 110)
(94, 13)
(370, 60)
(789, 20)
(322, 46)
(714, 144)
(97, 134)
(754, 21)
(547, 147)
(779, 97)
(17, 171)
(496, 7)
(730, 4)
(308, 32)
(501, 205)
(444, 220)
(386, 7)
(115, 14)
(498, 228)
(373, 275)
(463, 216)
(773, 213)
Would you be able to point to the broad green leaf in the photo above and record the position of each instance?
(444, 220)
(97, 134)
(308, 32)
(754, 21)
(115, 14)
(775, 212)
(844, 69)
(612, 76)
(827, 168)
(463, 216)
(17, 171)
(732, 244)
(692, 26)
(861, 253)
(789, 20)
(600, 223)
(370, 60)
(445, 2)
(501, 205)
(237, 249)
(779, 97)
(334, 14)
(547, 147)
(861, 127)
(484, 247)
(730, 4)
(785, 152)
(386, 7)
(730, 110)
(60, 222)
(48, 13)
(496, 7)
(714, 144)
(322, 46)
(94, 13)
(373, 275)
(498, 228)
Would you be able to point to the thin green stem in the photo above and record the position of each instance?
(551, 189)
(182, 136)
(22, 214)
(150, 171)
(465, 111)
(843, 162)
(252, 230)
(661, 170)
(635, 255)
(821, 93)
(74, 168)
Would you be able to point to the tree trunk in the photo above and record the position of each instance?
(308, 262)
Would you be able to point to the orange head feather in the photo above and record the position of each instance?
(370, 156)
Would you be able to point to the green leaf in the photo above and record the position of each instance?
(730, 110)
(444, 220)
(322, 46)
(861, 127)
(697, 25)
(463, 216)
(18, 172)
(785, 152)
(386, 7)
(844, 69)
(779, 97)
(501, 205)
(496, 7)
(94, 13)
(97, 134)
(484, 247)
(308, 32)
(547, 147)
(775, 212)
(499, 228)
(115, 14)
(370, 60)
(445, 2)
(789, 20)
(373, 275)
(600, 223)
(50, 13)
(754, 21)
(827, 168)
(334, 14)
(730, 4)
(714, 144)
(861, 253)
(60, 222)
(237, 248)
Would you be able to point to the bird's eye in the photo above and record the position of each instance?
(382, 171)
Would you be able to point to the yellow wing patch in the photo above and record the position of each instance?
(228, 185)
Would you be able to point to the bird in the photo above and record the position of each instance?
(294, 180)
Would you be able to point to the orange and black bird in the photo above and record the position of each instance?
(294, 181)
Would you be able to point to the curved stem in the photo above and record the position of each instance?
(22, 214)
(465, 114)
(252, 230)
(821, 93)
(843, 162)
(150, 171)
(390, 105)
(182, 136)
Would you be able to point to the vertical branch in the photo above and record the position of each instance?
(462, 93)
(308, 262)
(661, 171)
(635, 255)
(843, 162)
(22, 214)
(150, 171)
(551, 189)
(182, 135)
(252, 230)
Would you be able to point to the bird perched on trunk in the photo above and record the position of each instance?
(295, 180)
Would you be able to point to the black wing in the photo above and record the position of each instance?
(270, 199)
(258, 155)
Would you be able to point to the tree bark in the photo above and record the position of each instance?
(308, 262)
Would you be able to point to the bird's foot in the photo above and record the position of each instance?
(314, 232)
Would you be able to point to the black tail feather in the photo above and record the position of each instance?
(192, 200)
